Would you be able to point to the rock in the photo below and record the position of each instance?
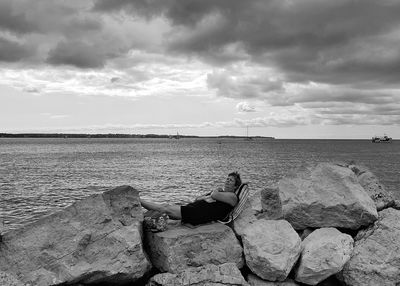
(271, 248)
(257, 281)
(325, 252)
(396, 204)
(306, 232)
(381, 197)
(376, 256)
(271, 204)
(255, 201)
(8, 280)
(247, 217)
(97, 239)
(208, 275)
(181, 247)
(326, 196)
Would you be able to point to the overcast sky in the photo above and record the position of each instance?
(288, 69)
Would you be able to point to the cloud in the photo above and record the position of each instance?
(243, 84)
(15, 21)
(76, 53)
(13, 51)
(114, 79)
(329, 59)
(245, 107)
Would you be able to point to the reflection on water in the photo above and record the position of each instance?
(39, 176)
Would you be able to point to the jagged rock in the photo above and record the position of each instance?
(257, 281)
(325, 252)
(325, 196)
(271, 248)
(181, 247)
(208, 275)
(271, 204)
(381, 197)
(96, 239)
(376, 256)
(8, 280)
(396, 204)
(255, 201)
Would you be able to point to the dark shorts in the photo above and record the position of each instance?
(200, 212)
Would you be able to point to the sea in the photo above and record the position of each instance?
(39, 176)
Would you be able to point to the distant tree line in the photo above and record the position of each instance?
(111, 135)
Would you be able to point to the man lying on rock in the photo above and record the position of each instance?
(211, 207)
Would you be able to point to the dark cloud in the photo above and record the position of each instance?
(78, 54)
(323, 41)
(14, 21)
(12, 51)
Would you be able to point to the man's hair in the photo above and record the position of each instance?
(238, 181)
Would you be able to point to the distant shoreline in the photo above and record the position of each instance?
(111, 135)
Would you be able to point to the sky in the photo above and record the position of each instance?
(282, 68)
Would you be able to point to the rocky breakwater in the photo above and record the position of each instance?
(317, 226)
(97, 239)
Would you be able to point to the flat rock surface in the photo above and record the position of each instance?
(181, 247)
(327, 195)
(97, 239)
(254, 280)
(376, 256)
(208, 275)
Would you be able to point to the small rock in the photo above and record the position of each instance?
(271, 204)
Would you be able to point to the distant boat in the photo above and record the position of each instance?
(247, 134)
(177, 136)
(381, 139)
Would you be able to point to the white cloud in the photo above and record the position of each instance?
(245, 107)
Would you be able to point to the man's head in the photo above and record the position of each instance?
(232, 182)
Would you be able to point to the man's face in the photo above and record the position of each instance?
(229, 184)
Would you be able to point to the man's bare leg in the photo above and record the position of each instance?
(173, 211)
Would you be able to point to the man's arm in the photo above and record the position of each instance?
(226, 197)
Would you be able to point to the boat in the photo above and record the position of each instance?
(247, 134)
(381, 139)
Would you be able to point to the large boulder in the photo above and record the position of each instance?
(181, 247)
(210, 274)
(271, 248)
(325, 252)
(371, 184)
(376, 256)
(257, 281)
(97, 239)
(328, 195)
